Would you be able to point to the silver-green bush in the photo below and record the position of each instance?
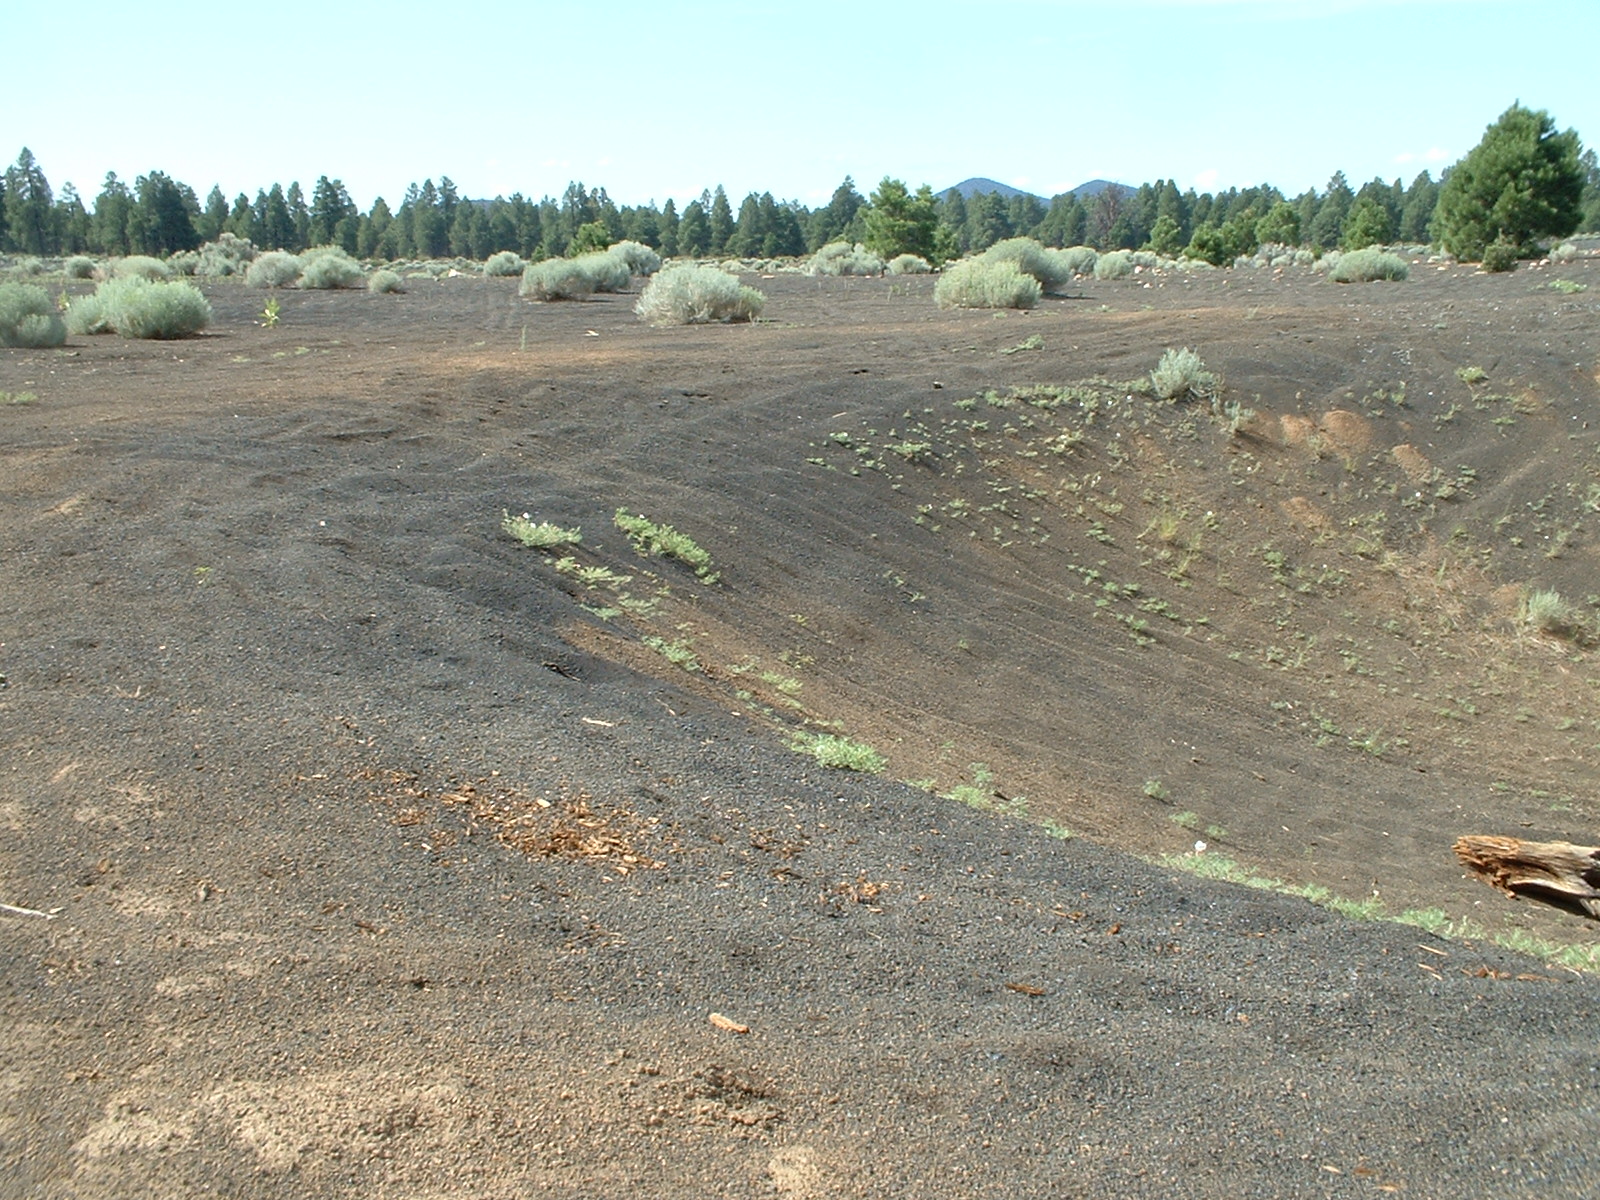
(28, 320)
(979, 283)
(557, 279)
(228, 255)
(640, 258)
(1050, 267)
(909, 264)
(140, 266)
(184, 263)
(1180, 374)
(841, 258)
(79, 266)
(610, 271)
(385, 281)
(691, 295)
(1118, 264)
(87, 314)
(326, 267)
(142, 308)
(1080, 260)
(1564, 253)
(506, 262)
(275, 268)
(1364, 266)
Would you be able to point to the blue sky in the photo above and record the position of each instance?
(652, 100)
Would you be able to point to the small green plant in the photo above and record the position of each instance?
(269, 314)
(977, 794)
(1182, 375)
(1568, 287)
(1186, 819)
(839, 753)
(385, 282)
(1500, 256)
(1368, 265)
(540, 535)
(980, 283)
(664, 541)
(1031, 343)
(28, 320)
(506, 262)
(679, 653)
(691, 295)
(1548, 612)
(17, 397)
(1155, 789)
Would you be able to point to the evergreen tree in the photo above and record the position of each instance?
(275, 223)
(215, 215)
(750, 231)
(1170, 203)
(694, 231)
(901, 222)
(72, 224)
(987, 221)
(161, 221)
(1367, 224)
(29, 224)
(430, 236)
(669, 229)
(1589, 218)
(1280, 226)
(1416, 212)
(831, 222)
(1328, 225)
(1165, 236)
(1024, 213)
(720, 222)
(240, 217)
(300, 215)
(953, 220)
(464, 230)
(373, 229)
(1103, 214)
(330, 207)
(1521, 183)
(500, 228)
(786, 237)
(110, 221)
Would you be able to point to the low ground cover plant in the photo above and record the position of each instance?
(539, 535)
(691, 295)
(981, 283)
(79, 266)
(840, 753)
(1368, 265)
(909, 264)
(141, 265)
(663, 541)
(386, 281)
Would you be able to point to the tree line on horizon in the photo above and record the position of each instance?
(158, 215)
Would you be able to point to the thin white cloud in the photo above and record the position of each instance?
(1205, 180)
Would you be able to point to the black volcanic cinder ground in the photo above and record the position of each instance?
(388, 858)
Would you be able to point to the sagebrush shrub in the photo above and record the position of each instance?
(691, 295)
(142, 308)
(1050, 267)
(1180, 374)
(140, 266)
(385, 281)
(909, 264)
(1564, 253)
(327, 267)
(1365, 266)
(610, 271)
(978, 283)
(1548, 611)
(1080, 260)
(640, 258)
(228, 255)
(184, 263)
(275, 268)
(506, 262)
(87, 314)
(841, 258)
(79, 266)
(1118, 264)
(28, 320)
(557, 279)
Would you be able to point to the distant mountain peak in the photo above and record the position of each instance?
(968, 188)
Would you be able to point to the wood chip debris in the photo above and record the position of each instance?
(728, 1024)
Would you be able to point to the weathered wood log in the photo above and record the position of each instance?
(1556, 871)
